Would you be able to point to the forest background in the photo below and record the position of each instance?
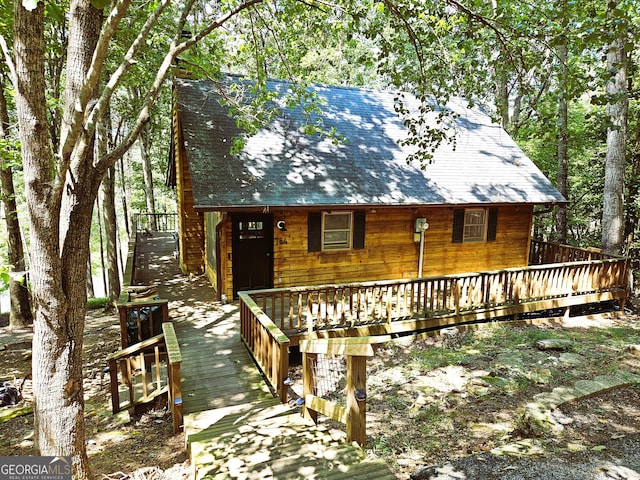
(85, 115)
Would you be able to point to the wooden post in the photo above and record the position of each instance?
(174, 360)
(115, 391)
(281, 363)
(308, 375)
(357, 399)
(175, 396)
(122, 312)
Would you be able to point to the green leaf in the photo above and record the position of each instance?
(55, 11)
(100, 4)
(4, 280)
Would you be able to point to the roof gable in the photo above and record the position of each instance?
(281, 166)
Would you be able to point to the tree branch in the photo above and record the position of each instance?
(126, 64)
(413, 37)
(70, 136)
(175, 49)
(9, 61)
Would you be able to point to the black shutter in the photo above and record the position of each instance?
(315, 232)
(458, 225)
(358, 229)
(492, 225)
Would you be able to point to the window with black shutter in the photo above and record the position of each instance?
(333, 231)
(474, 225)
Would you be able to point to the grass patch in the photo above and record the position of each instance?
(96, 303)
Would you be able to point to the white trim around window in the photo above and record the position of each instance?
(475, 225)
(337, 230)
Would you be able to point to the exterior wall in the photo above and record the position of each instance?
(190, 224)
(510, 249)
(391, 251)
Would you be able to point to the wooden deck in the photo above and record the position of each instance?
(234, 426)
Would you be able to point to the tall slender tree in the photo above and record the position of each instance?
(20, 313)
(617, 106)
(61, 189)
(562, 52)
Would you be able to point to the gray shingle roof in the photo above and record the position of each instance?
(281, 166)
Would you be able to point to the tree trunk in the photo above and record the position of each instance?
(124, 196)
(107, 194)
(20, 314)
(502, 97)
(563, 141)
(90, 292)
(145, 147)
(60, 220)
(108, 209)
(613, 202)
(501, 86)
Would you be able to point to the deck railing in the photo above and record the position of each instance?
(143, 371)
(273, 319)
(354, 413)
(542, 253)
(266, 342)
(467, 296)
(155, 222)
(137, 373)
(140, 317)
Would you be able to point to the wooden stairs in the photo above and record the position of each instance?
(267, 439)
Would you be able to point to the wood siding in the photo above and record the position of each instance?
(190, 224)
(390, 250)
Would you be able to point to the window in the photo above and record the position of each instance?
(475, 225)
(250, 229)
(333, 231)
(336, 231)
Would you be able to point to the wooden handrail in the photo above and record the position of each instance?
(136, 348)
(505, 292)
(174, 358)
(155, 222)
(124, 364)
(129, 360)
(542, 252)
(268, 345)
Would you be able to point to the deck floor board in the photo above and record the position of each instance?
(234, 427)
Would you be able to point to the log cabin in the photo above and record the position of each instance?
(292, 208)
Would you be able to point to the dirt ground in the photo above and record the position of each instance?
(119, 447)
(419, 414)
(471, 405)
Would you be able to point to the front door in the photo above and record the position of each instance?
(252, 252)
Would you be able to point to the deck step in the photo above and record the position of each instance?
(269, 440)
(200, 425)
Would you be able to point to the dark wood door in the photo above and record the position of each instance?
(252, 252)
